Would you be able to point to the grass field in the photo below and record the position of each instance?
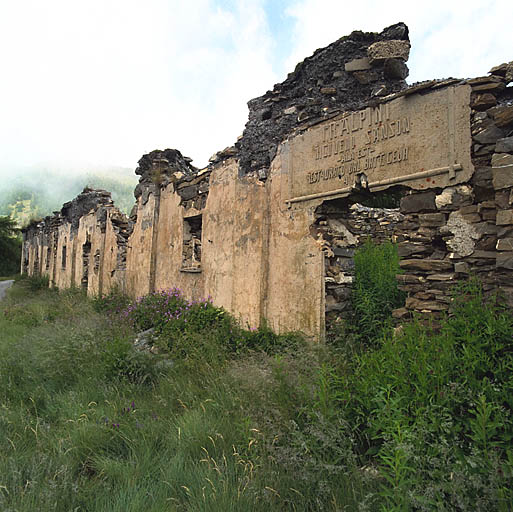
(420, 421)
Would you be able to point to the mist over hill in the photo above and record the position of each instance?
(34, 192)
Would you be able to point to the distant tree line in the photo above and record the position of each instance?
(10, 247)
(37, 194)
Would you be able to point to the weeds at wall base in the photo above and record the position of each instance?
(419, 420)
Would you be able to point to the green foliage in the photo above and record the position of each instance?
(175, 319)
(416, 421)
(34, 282)
(112, 303)
(121, 361)
(375, 294)
(10, 247)
(429, 404)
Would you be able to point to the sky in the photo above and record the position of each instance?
(102, 82)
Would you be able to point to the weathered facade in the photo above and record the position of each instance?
(269, 228)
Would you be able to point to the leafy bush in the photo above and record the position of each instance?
(35, 282)
(174, 318)
(113, 303)
(428, 405)
(10, 247)
(121, 361)
(375, 294)
(156, 309)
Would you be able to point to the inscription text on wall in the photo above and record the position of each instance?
(408, 139)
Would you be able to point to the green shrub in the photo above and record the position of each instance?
(156, 309)
(374, 295)
(429, 404)
(113, 303)
(122, 361)
(34, 282)
(10, 246)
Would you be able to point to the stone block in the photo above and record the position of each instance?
(453, 197)
(504, 70)
(406, 249)
(489, 135)
(423, 202)
(503, 116)
(343, 252)
(504, 145)
(187, 193)
(482, 177)
(472, 217)
(504, 217)
(484, 255)
(491, 86)
(366, 77)
(393, 49)
(505, 232)
(505, 260)
(289, 111)
(487, 149)
(409, 279)
(502, 159)
(432, 219)
(504, 198)
(357, 65)
(425, 265)
(487, 243)
(505, 244)
(396, 69)
(400, 313)
(483, 102)
(329, 91)
(462, 267)
(488, 215)
(463, 234)
(441, 277)
(465, 210)
(423, 305)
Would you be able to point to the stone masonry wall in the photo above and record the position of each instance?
(344, 76)
(249, 229)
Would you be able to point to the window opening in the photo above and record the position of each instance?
(191, 252)
(63, 257)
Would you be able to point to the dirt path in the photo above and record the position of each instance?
(4, 285)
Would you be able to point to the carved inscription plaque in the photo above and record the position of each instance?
(422, 141)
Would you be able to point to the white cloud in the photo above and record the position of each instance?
(107, 80)
(104, 81)
(449, 38)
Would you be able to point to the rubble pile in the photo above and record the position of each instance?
(343, 76)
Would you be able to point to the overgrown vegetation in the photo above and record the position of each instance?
(374, 296)
(224, 418)
(10, 247)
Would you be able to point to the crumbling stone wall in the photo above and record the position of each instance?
(269, 228)
(346, 75)
(70, 246)
(457, 231)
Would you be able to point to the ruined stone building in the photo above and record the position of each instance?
(269, 228)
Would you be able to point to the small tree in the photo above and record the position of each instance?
(10, 246)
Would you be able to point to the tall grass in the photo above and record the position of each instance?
(416, 421)
(88, 423)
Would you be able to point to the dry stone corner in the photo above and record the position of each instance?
(269, 228)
